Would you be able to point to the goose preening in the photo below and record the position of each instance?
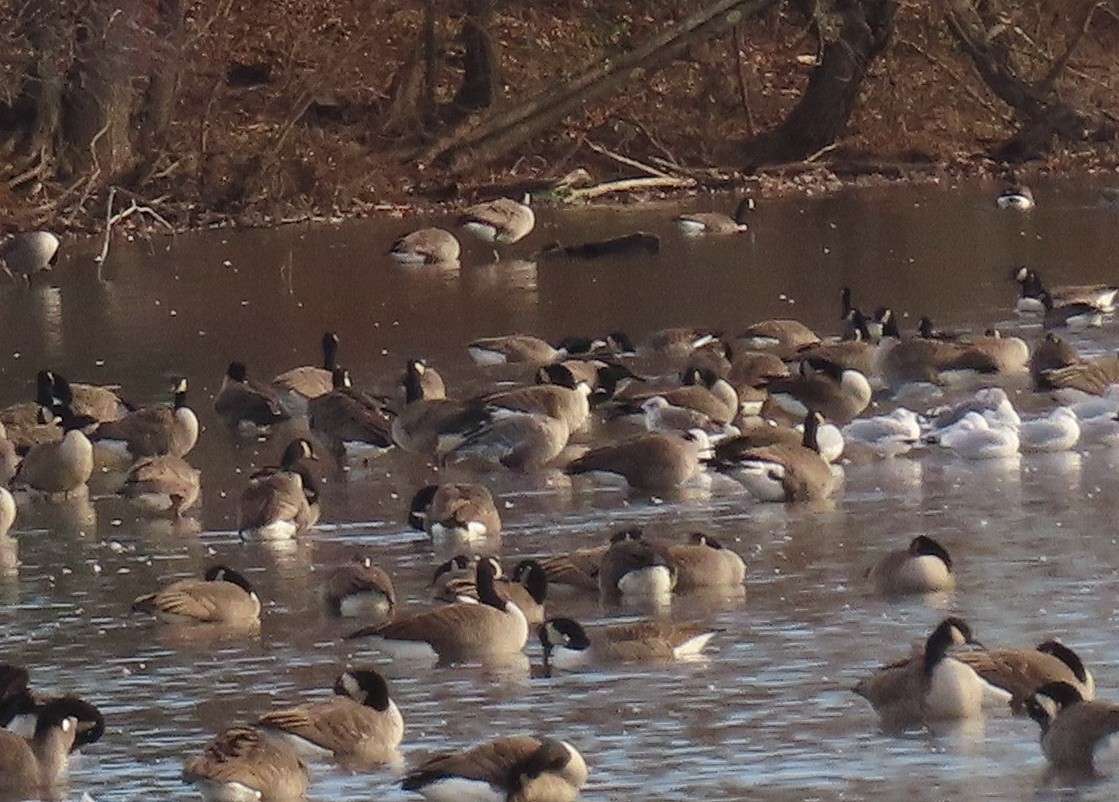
(361, 723)
(1015, 196)
(698, 223)
(654, 462)
(22, 709)
(455, 512)
(281, 502)
(359, 589)
(931, 685)
(568, 646)
(1022, 672)
(31, 768)
(1072, 728)
(162, 485)
(222, 596)
(152, 431)
(242, 763)
(503, 221)
(297, 386)
(426, 246)
(241, 401)
(23, 255)
(517, 768)
(924, 566)
(492, 627)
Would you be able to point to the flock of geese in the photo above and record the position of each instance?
(771, 412)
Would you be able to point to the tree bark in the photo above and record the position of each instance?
(412, 94)
(481, 80)
(481, 141)
(36, 117)
(163, 81)
(851, 33)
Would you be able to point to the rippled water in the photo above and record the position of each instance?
(770, 714)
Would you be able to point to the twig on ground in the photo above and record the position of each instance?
(112, 219)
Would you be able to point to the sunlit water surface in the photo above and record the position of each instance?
(770, 714)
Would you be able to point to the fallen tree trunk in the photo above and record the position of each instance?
(489, 137)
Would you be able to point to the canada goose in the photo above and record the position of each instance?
(514, 348)
(634, 568)
(359, 589)
(1076, 316)
(924, 359)
(222, 596)
(713, 358)
(756, 369)
(652, 462)
(922, 567)
(561, 397)
(884, 436)
(31, 768)
(1101, 296)
(527, 587)
(240, 400)
(1071, 728)
(838, 393)
(697, 223)
(427, 412)
(165, 484)
(1057, 431)
(1009, 354)
(151, 431)
(351, 421)
(1021, 672)
(520, 441)
(1051, 355)
(460, 631)
(780, 472)
(20, 708)
(577, 569)
(452, 574)
(503, 221)
(715, 399)
(518, 768)
(1091, 377)
(781, 336)
(931, 685)
(28, 413)
(426, 246)
(298, 385)
(567, 645)
(360, 722)
(242, 763)
(1015, 196)
(23, 255)
(89, 400)
(973, 437)
(676, 343)
(857, 354)
(281, 502)
(63, 466)
(455, 511)
(704, 562)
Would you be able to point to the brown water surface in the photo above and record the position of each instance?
(770, 714)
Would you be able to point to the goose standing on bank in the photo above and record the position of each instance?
(240, 401)
(152, 431)
(1072, 728)
(1022, 672)
(494, 627)
(931, 685)
(458, 512)
(502, 221)
(222, 596)
(361, 723)
(426, 246)
(359, 589)
(568, 646)
(63, 466)
(281, 502)
(297, 386)
(23, 255)
(32, 768)
(243, 764)
(923, 567)
(518, 768)
(699, 223)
